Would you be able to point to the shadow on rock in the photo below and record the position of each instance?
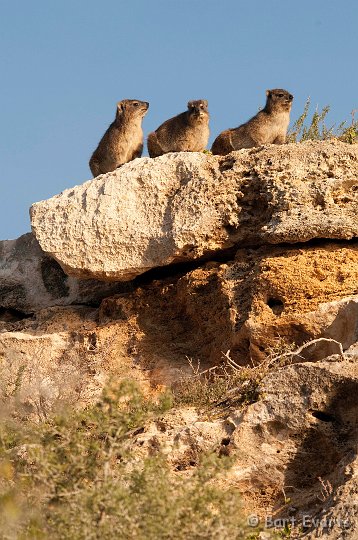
(320, 467)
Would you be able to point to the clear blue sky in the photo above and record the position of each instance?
(64, 64)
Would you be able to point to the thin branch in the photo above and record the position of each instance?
(268, 362)
(308, 344)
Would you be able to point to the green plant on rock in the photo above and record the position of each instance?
(304, 129)
(218, 389)
(349, 134)
(208, 388)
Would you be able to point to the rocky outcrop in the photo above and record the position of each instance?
(185, 206)
(296, 448)
(264, 302)
(31, 280)
(255, 289)
(294, 451)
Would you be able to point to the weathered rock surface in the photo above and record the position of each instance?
(31, 280)
(295, 451)
(296, 448)
(61, 357)
(183, 206)
(265, 300)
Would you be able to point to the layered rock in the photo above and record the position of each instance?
(295, 449)
(31, 280)
(265, 302)
(180, 207)
(267, 299)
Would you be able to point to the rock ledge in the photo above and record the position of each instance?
(183, 206)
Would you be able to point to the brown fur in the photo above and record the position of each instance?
(269, 126)
(186, 132)
(123, 140)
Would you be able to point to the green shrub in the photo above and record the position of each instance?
(304, 129)
(77, 477)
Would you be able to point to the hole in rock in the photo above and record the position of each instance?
(276, 305)
(226, 165)
(230, 229)
(12, 315)
(323, 416)
(225, 441)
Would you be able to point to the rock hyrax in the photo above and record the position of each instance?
(269, 126)
(186, 132)
(123, 140)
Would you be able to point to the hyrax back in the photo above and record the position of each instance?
(123, 140)
(186, 132)
(269, 126)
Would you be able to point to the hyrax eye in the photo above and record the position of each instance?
(280, 95)
(135, 104)
(201, 106)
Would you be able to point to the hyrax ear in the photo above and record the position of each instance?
(268, 93)
(190, 104)
(120, 107)
(205, 101)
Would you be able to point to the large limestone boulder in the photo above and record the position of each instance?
(179, 207)
(31, 280)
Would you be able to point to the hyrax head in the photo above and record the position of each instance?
(198, 108)
(132, 108)
(279, 98)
